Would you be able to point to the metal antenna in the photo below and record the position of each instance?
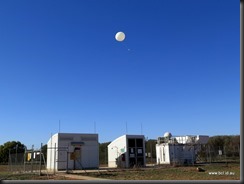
(94, 126)
(126, 127)
(59, 126)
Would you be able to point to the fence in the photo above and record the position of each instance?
(30, 161)
(211, 154)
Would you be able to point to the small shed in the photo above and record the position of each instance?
(127, 151)
(72, 151)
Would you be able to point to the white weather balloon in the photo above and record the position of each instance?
(120, 36)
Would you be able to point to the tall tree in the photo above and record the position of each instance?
(10, 147)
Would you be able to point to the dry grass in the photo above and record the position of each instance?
(174, 173)
(156, 173)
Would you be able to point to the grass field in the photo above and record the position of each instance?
(212, 172)
(217, 171)
(6, 175)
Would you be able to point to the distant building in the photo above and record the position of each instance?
(70, 151)
(196, 139)
(127, 151)
(178, 150)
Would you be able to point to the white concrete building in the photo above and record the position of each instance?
(70, 151)
(127, 151)
(168, 153)
(179, 149)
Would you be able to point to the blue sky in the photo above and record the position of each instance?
(178, 69)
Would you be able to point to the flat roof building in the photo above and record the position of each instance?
(71, 151)
(180, 149)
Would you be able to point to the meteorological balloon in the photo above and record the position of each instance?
(120, 36)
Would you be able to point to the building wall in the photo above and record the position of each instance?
(51, 164)
(73, 155)
(162, 153)
(167, 153)
(115, 149)
(119, 153)
(200, 139)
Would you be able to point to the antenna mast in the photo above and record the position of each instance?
(94, 126)
(59, 126)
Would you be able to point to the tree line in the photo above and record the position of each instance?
(15, 147)
(221, 148)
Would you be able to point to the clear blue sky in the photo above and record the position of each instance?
(178, 69)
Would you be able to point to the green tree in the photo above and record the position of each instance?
(10, 147)
(150, 150)
(103, 152)
(229, 144)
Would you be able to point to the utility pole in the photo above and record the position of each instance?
(16, 148)
(32, 157)
(151, 151)
(225, 156)
(59, 126)
(94, 126)
(40, 160)
(105, 159)
(173, 151)
(9, 159)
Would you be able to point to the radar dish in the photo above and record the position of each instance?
(167, 135)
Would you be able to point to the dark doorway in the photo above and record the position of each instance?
(77, 161)
(136, 152)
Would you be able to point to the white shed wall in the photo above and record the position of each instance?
(51, 164)
(178, 153)
(162, 154)
(115, 149)
(119, 146)
(89, 152)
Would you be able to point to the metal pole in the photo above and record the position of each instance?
(24, 158)
(16, 148)
(54, 161)
(117, 156)
(238, 147)
(59, 126)
(105, 156)
(206, 151)
(94, 127)
(9, 160)
(67, 159)
(40, 160)
(173, 151)
(225, 156)
(32, 157)
(51, 152)
(151, 151)
(209, 154)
